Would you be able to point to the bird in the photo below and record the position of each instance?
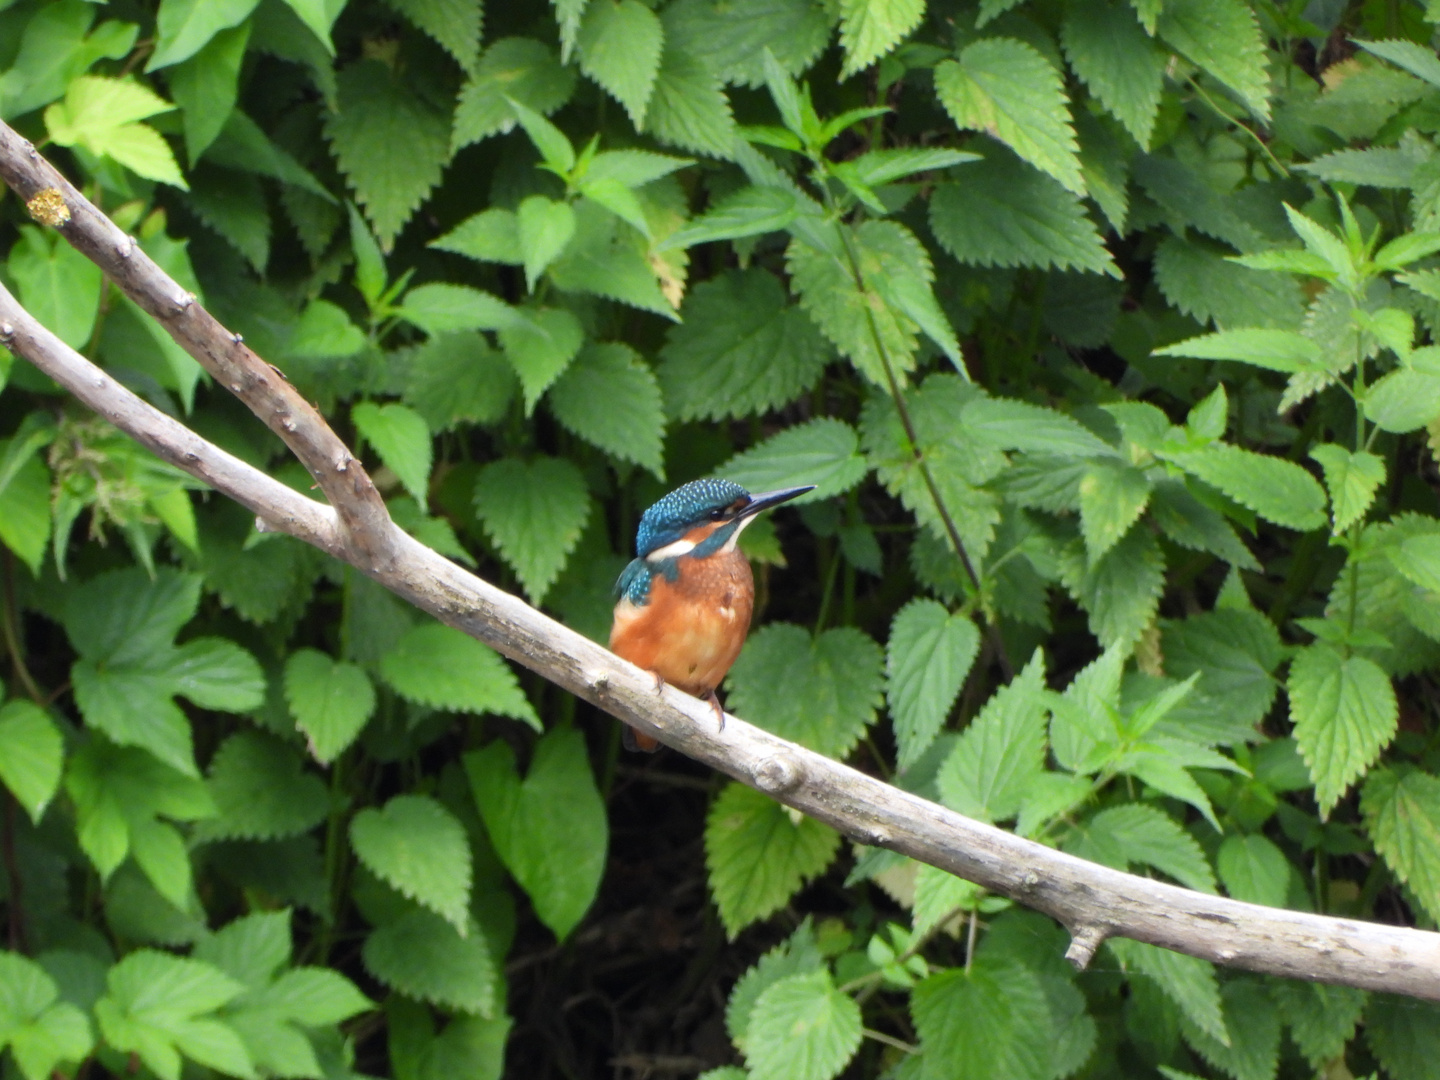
(683, 605)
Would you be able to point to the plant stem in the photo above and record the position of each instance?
(10, 626)
(889, 1040)
(16, 905)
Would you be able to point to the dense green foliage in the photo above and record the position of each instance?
(1109, 332)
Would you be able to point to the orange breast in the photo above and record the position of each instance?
(692, 629)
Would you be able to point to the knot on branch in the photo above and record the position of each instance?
(1084, 940)
(7, 333)
(778, 774)
(47, 206)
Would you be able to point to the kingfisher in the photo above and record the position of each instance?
(684, 604)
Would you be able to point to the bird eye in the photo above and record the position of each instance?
(717, 515)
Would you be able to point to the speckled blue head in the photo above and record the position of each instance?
(684, 508)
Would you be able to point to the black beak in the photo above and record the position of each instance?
(766, 499)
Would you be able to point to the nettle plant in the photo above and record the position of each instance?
(1098, 326)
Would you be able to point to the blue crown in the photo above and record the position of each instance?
(680, 511)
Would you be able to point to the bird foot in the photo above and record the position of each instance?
(659, 682)
(715, 704)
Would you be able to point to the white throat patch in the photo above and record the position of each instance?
(672, 550)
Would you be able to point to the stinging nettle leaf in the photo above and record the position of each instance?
(444, 668)
(1274, 488)
(928, 657)
(825, 452)
(1402, 814)
(802, 1028)
(1353, 477)
(632, 424)
(330, 700)
(32, 754)
(513, 69)
(416, 845)
(869, 29)
(620, 46)
(1109, 49)
(533, 512)
(402, 440)
(1001, 754)
(1344, 711)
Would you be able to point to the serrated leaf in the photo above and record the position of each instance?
(262, 791)
(631, 426)
(1235, 653)
(740, 349)
(609, 258)
(459, 378)
(1274, 488)
(1321, 1018)
(41, 1030)
(1112, 496)
(544, 228)
(1001, 753)
(492, 235)
(824, 452)
(420, 848)
(928, 657)
(455, 24)
(424, 957)
(989, 1020)
(32, 754)
(1200, 281)
(836, 678)
(688, 106)
(441, 308)
(758, 856)
(533, 512)
(1002, 212)
(620, 45)
(869, 29)
(1402, 815)
(390, 144)
(732, 38)
(1353, 478)
(1109, 49)
(1253, 1024)
(57, 284)
(101, 115)
(402, 440)
(1403, 1034)
(330, 702)
(1403, 400)
(1008, 89)
(548, 829)
(1275, 350)
(540, 347)
(796, 955)
(750, 211)
(512, 69)
(1344, 712)
(1186, 980)
(1120, 592)
(1254, 870)
(802, 1028)
(1224, 38)
(444, 668)
(1139, 833)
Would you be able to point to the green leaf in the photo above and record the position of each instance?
(402, 440)
(100, 115)
(424, 957)
(1001, 753)
(1224, 38)
(1108, 48)
(1120, 591)
(325, 331)
(262, 791)
(185, 26)
(1353, 478)
(1254, 870)
(732, 38)
(833, 682)
(1344, 712)
(32, 753)
(159, 1007)
(419, 847)
(492, 235)
(928, 657)
(57, 284)
(862, 319)
(795, 955)
(540, 347)
(1407, 55)
(1235, 653)
(1275, 350)
(548, 829)
(1274, 488)
(391, 145)
(544, 228)
(54, 48)
(620, 45)
(802, 1028)
(824, 452)
(534, 513)
(1202, 282)
(444, 668)
(869, 29)
(1321, 1019)
(1402, 814)
(1404, 1035)
(1004, 213)
(750, 211)
(1418, 558)
(1403, 400)
(1009, 90)
(25, 514)
(741, 349)
(459, 378)
(1112, 496)
(1139, 833)
(512, 69)
(609, 258)
(455, 24)
(1195, 525)
(440, 308)
(632, 424)
(41, 1030)
(1186, 980)
(882, 166)
(206, 87)
(1252, 1051)
(688, 107)
(758, 856)
(989, 1020)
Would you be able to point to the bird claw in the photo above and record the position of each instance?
(715, 704)
(659, 682)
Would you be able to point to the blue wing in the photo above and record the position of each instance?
(634, 583)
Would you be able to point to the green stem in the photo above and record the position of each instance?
(10, 626)
(828, 591)
(889, 1040)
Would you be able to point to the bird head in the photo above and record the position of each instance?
(703, 517)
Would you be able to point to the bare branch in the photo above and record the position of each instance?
(1095, 902)
(52, 200)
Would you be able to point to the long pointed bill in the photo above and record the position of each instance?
(766, 499)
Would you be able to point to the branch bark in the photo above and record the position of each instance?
(1094, 902)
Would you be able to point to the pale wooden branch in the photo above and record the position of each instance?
(54, 201)
(1094, 902)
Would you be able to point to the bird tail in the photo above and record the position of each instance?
(638, 740)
